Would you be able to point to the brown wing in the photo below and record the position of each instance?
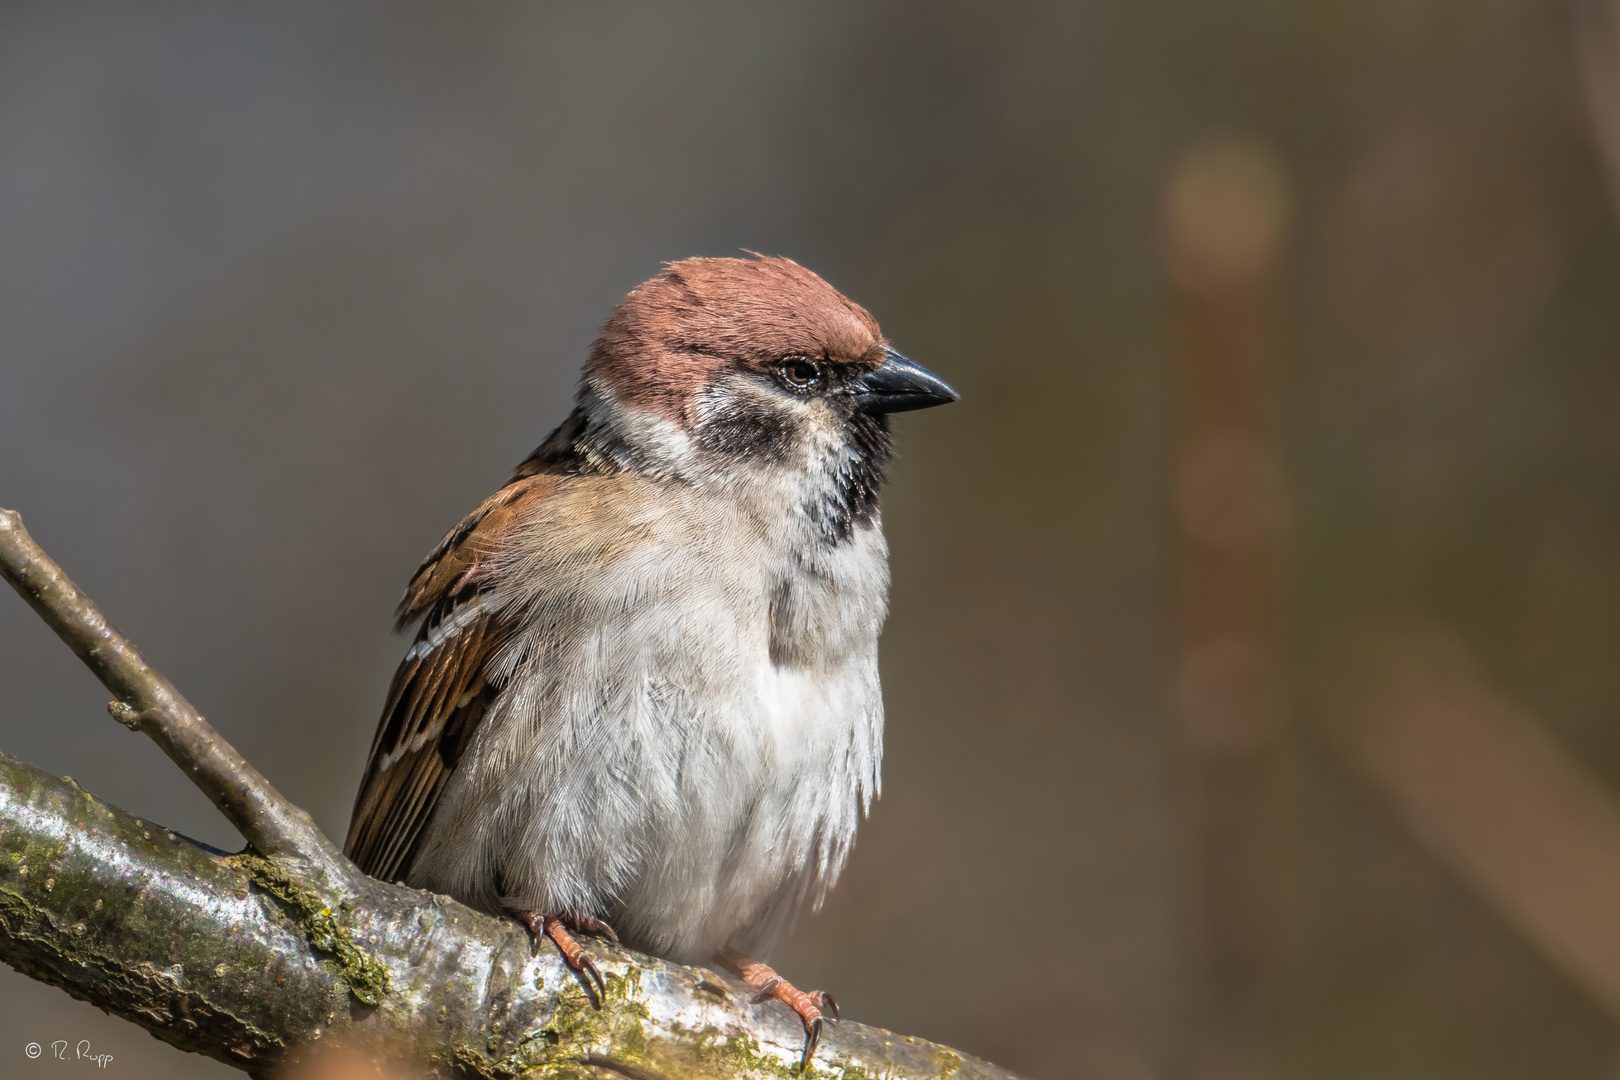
(442, 688)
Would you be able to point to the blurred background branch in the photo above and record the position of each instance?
(1597, 48)
(1226, 215)
(1487, 790)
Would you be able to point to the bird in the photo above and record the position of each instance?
(642, 699)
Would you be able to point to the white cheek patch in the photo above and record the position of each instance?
(739, 393)
(660, 444)
(715, 400)
(657, 437)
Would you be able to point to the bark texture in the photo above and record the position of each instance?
(228, 956)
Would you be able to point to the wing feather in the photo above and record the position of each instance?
(442, 688)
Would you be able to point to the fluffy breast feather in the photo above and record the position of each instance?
(690, 723)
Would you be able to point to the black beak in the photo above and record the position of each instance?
(900, 386)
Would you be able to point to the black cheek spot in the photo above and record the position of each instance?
(751, 431)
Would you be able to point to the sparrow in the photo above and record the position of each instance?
(643, 697)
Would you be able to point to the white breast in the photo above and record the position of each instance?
(691, 726)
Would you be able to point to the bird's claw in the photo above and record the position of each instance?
(578, 960)
(590, 924)
(812, 1037)
(822, 1010)
(587, 967)
(769, 986)
(815, 1009)
(535, 924)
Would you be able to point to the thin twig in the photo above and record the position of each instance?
(1597, 52)
(146, 701)
(1485, 787)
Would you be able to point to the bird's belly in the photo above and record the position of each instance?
(688, 818)
(760, 822)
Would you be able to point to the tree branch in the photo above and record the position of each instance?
(148, 702)
(255, 958)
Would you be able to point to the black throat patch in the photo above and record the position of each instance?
(853, 502)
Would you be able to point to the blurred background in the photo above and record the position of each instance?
(1252, 675)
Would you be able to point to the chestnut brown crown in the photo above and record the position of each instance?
(673, 334)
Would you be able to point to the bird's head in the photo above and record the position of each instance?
(719, 369)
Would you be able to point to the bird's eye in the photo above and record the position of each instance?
(800, 373)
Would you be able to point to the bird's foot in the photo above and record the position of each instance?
(815, 1008)
(589, 924)
(574, 955)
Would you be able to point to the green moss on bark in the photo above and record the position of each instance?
(366, 977)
